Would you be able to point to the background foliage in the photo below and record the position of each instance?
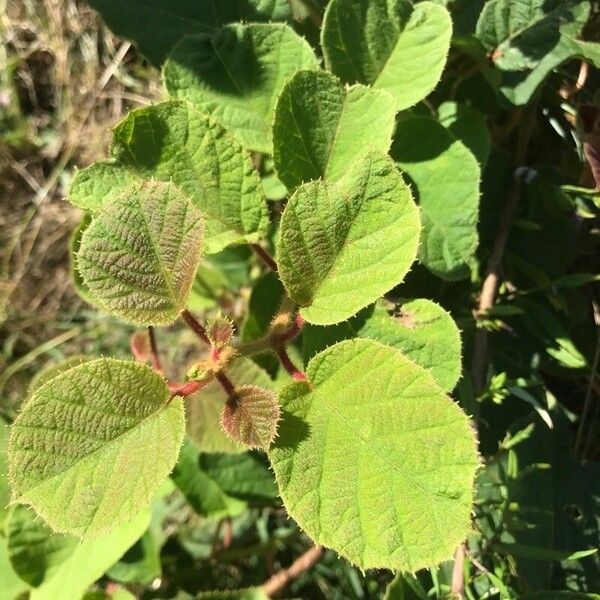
(503, 152)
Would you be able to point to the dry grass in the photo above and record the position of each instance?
(65, 80)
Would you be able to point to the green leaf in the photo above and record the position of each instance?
(12, 585)
(250, 417)
(519, 34)
(237, 75)
(92, 445)
(48, 373)
(35, 552)
(220, 485)
(204, 408)
(4, 492)
(535, 553)
(74, 245)
(171, 141)
(421, 329)
(468, 125)
(139, 256)
(90, 559)
(157, 25)
(390, 45)
(446, 178)
(405, 586)
(374, 460)
(344, 244)
(321, 126)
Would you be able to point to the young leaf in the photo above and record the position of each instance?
(251, 416)
(237, 74)
(321, 127)
(390, 45)
(374, 460)
(157, 25)
(171, 141)
(344, 244)
(203, 410)
(93, 444)
(139, 256)
(421, 329)
(446, 177)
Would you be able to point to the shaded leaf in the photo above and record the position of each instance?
(157, 25)
(237, 74)
(321, 127)
(374, 460)
(139, 256)
(173, 142)
(344, 244)
(446, 178)
(92, 445)
(392, 46)
(468, 125)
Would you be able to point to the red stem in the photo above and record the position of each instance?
(291, 333)
(154, 356)
(264, 256)
(195, 326)
(226, 384)
(288, 365)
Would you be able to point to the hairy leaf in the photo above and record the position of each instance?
(446, 179)
(204, 408)
(237, 74)
(93, 444)
(157, 25)
(48, 373)
(421, 329)
(251, 416)
(171, 141)
(374, 460)
(390, 45)
(321, 127)
(344, 244)
(4, 492)
(139, 256)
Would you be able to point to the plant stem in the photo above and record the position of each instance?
(491, 281)
(458, 573)
(226, 384)
(288, 365)
(195, 326)
(154, 356)
(276, 584)
(265, 257)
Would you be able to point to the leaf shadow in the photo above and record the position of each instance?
(292, 431)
